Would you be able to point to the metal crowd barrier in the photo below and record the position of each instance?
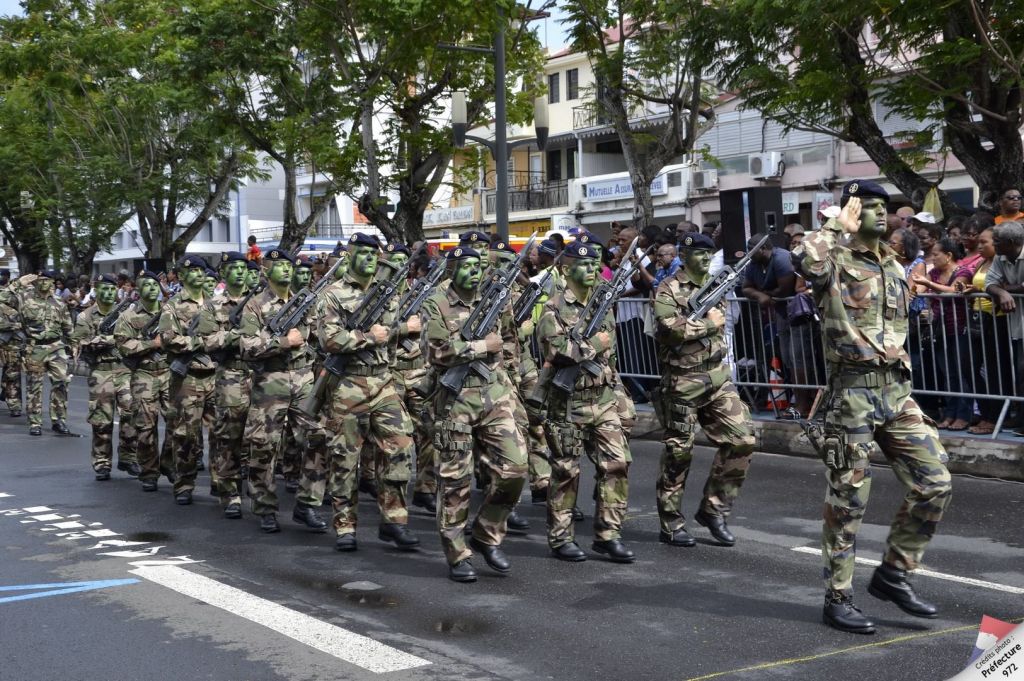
(964, 358)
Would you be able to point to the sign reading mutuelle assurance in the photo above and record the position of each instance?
(621, 188)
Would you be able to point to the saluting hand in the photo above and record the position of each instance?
(849, 216)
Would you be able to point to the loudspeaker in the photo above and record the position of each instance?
(754, 210)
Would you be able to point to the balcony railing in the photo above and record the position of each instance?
(589, 116)
(323, 230)
(539, 196)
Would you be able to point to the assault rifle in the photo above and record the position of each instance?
(17, 336)
(718, 286)
(369, 312)
(414, 298)
(179, 365)
(294, 311)
(235, 316)
(105, 328)
(148, 332)
(523, 307)
(599, 304)
(484, 318)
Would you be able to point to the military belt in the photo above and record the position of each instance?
(703, 367)
(367, 370)
(106, 366)
(409, 364)
(152, 366)
(45, 341)
(204, 371)
(588, 394)
(278, 364)
(845, 377)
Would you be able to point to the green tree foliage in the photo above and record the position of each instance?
(649, 59)
(955, 65)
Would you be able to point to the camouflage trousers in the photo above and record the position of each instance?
(228, 448)
(110, 391)
(10, 386)
(366, 414)
(626, 409)
(589, 424)
(890, 418)
(276, 398)
(193, 402)
(532, 423)
(151, 399)
(484, 415)
(304, 454)
(426, 469)
(709, 399)
(47, 360)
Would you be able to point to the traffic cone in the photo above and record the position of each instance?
(776, 395)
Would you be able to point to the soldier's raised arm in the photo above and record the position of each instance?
(670, 313)
(818, 264)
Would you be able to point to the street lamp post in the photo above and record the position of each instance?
(499, 147)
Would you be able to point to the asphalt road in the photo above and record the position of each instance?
(747, 612)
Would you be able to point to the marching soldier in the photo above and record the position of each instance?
(109, 385)
(138, 339)
(191, 394)
(294, 444)
(860, 288)
(282, 378)
(483, 413)
(585, 421)
(12, 340)
(252, 275)
(365, 406)
(232, 384)
(410, 368)
(697, 386)
(46, 324)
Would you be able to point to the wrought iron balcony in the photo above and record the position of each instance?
(538, 196)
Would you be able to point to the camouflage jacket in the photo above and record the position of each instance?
(414, 352)
(683, 344)
(256, 343)
(175, 320)
(444, 314)
(45, 321)
(864, 301)
(339, 301)
(561, 313)
(214, 327)
(10, 318)
(128, 334)
(91, 344)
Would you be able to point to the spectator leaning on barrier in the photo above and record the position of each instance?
(1009, 206)
(947, 362)
(1004, 280)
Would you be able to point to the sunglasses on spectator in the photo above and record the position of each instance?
(1014, 197)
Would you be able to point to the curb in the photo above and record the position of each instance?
(970, 455)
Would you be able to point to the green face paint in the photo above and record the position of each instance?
(252, 278)
(44, 287)
(301, 278)
(280, 273)
(234, 274)
(193, 278)
(364, 261)
(583, 272)
(872, 217)
(209, 285)
(697, 262)
(398, 259)
(468, 274)
(106, 293)
(149, 290)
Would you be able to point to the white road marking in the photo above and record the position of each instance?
(4, 495)
(342, 644)
(811, 550)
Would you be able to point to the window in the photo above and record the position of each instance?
(553, 92)
(554, 164)
(572, 84)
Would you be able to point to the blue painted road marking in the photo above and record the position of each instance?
(60, 588)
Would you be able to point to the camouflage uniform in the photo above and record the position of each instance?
(47, 325)
(150, 391)
(232, 390)
(484, 413)
(865, 307)
(696, 386)
(10, 347)
(410, 368)
(109, 390)
(281, 379)
(365, 407)
(305, 447)
(525, 378)
(191, 395)
(587, 422)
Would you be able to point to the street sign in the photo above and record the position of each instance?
(790, 203)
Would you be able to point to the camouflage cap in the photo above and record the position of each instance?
(461, 253)
(279, 254)
(231, 256)
(695, 241)
(580, 251)
(864, 189)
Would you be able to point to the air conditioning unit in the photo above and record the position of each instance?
(764, 166)
(705, 180)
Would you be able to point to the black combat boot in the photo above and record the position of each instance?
(890, 584)
(840, 613)
(306, 515)
(716, 526)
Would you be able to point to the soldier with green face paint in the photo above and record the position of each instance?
(282, 379)
(109, 385)
(252, 275)
(483, 413)
(138, 339)
(860, 288)
(585, 421)
(294, 447)
(192, 394)
(233, 384)
(697, 387)
(365, 408)
(210, 282)
(47, 326)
